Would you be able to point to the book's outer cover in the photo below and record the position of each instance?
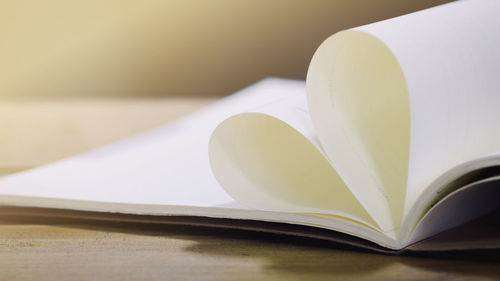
(479, 234)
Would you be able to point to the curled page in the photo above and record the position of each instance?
(269, 159)
(359, 106)
(399, 102)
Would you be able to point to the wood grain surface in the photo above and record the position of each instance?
(37, 132)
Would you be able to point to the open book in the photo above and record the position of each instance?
(394, 139)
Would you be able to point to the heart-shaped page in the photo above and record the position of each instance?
(266, 164)
(359, 106)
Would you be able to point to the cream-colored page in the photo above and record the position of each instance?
(270, 159)
(362, 120)
(410, 98)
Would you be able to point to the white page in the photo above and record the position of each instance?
(166, 166)
(450, 59)
(460, 206)
(467, 175)
(449, 73)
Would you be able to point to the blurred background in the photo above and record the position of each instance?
(164, 48)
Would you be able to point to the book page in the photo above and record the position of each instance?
(270, 159)
(473, 182)
(168, 166)
(450, 60)
(399, 102)
(481, 233)
(360, 108)
(459, 207)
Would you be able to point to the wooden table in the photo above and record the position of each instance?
(38, 132)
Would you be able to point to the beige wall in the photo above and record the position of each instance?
(168, 48)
